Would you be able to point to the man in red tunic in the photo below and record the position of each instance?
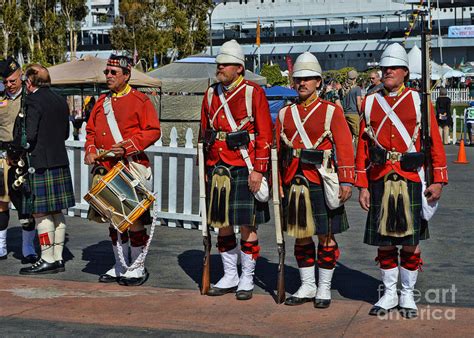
(309, 134)
(390, 176)
(237, 130)
(134, 128)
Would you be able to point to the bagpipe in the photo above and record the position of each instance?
(19, 160)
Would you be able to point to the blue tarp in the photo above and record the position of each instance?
(278, 97)
(278, 91)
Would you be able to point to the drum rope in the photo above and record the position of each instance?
(140, 261)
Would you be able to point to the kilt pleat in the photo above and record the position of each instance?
(52, 189)
(327, 221)
(244, 209)
(420, 227)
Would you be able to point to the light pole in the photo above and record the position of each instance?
(211, 9)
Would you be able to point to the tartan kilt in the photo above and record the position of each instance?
(244, 209)
(420, 227)
(52, 189)
(327, 221)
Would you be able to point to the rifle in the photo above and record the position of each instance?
(278, 228)
(206, 238)
(426, 98)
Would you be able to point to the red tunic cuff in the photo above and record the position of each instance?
(361, 179)
(130, 147)
(91, 149)
(346, 174)
(440, 175)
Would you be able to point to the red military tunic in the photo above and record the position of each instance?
(314, 127)
(138, 123)
(261, 127)
(390, 139)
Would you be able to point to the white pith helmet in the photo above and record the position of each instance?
(307, 65)
(232, 53)
(394, 55)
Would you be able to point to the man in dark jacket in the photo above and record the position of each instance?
(10, 106)
(47, 127)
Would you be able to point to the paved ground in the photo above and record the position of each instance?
(171, 304)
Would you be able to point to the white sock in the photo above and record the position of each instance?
(59, 235)
(45, 227)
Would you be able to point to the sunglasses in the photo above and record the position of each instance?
(111, 71)
(373, 78)
(10, 81)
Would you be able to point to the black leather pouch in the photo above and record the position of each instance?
(237, 139)
(311, 156)
(377, 155)
(209, 137)
(412, 161)
(286, 155)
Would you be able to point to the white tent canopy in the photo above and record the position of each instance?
(414, 62)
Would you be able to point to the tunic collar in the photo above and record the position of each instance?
(234, 84)
(394, 94)
(310, 100)
(123, 92)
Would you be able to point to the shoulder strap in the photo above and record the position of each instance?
(233, 126)
(299, 127)
(248, 101)
(327, 126)
(112, 122)
(210, 92)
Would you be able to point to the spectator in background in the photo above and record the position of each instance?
(443, 114)
(375, 82)
(330, 92)
(351, 102)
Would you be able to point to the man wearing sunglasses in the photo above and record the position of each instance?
(125, 123)
(10, 104)
(375, 82)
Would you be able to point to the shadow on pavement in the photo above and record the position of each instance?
(191, 263)
(98, 257)
(14, 235)
(355, 285)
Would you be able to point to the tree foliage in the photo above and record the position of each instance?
(273, 75)
(44, 30)
(158, 27)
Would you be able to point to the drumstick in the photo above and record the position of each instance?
(104, 154)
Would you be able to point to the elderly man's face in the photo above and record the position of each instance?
(228, 73)
(306, 86)
(394, 77)
(13, 83)
(115, 78)
(374, 78)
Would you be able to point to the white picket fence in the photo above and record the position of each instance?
(456, 95)
(170, 214)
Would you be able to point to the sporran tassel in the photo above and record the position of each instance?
(222, 204)
(402, 225)
(215, 204)
(292, 209)
(302, 210)
(391, 220)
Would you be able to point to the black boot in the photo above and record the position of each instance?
(40, 267)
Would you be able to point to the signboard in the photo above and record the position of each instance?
(461, 32)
